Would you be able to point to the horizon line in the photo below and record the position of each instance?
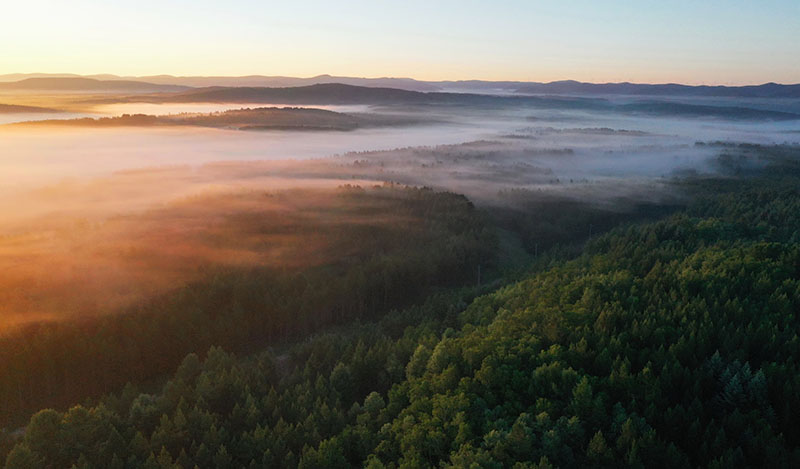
(386, 77)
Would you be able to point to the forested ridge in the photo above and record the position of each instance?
(392, 246)
(669, 343)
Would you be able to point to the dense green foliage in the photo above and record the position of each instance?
(542, 221)
(670, 344)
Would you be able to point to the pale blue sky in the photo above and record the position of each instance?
(728, 42)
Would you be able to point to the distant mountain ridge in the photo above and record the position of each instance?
(766, 90)
(653, 100)
(161, 83)
(323, 93)
(83, 84)
(286, 82)
(241, 81)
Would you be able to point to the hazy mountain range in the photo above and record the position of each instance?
(766, 90)
(335, 93)
(169, 83)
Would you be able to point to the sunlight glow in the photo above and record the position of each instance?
(513, 40)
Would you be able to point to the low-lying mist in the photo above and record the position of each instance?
(69, 267)
(96, 219)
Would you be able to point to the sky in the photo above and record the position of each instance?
(694, 42)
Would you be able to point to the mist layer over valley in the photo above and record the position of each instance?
(520, 144)
(72, 183)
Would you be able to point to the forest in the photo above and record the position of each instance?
(313, 258)
(262, 118)
(664, 337)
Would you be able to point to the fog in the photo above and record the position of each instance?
(78, 203)
(11, 118)
(573, 149)
(44, 155)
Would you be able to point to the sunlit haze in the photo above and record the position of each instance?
(712, 42)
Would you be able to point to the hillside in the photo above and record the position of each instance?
(241, 269)
(671, 344)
